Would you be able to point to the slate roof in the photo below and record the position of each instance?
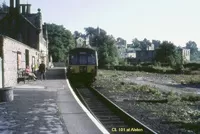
(2, 15)
(32, 18)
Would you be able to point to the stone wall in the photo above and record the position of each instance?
(10, 48)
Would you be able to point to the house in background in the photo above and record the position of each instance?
(121, 46)
(82, 41)
(185, 54)
(150, 47)
(145, 56)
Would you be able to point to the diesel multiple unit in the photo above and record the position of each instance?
(82, 65)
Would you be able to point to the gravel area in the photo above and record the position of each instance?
(134, 92)
(164, 84)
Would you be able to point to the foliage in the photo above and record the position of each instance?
(105, 45)
(60, 42)
(143, 45)
(135, 43)
(194, 53)
(156, 43)
(4, 7)
(139, 67)
(122, 62)
(168, 53)
(77, 34)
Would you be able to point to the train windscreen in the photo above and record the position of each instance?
(83, 59)
(91, 59)
(73, 60)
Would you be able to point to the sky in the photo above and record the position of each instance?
(177, 21)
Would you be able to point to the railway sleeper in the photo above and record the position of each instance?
(109, 119)
(109, 127)
(106, 116)
(113, 122)
(101, 110)
(95, 104)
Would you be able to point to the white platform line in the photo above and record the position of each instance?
(100, 126)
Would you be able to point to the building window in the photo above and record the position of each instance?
(27, 57)
(19, 58)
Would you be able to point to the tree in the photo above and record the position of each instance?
(105, 45)
(145, 44)
(168, 53)
(194, 55)
(77, 34)
(135, 43)
(4, 7)
(60, 42)
(156, 43)
(192, 46)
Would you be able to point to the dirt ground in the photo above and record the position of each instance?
(163, 83)
(172, 117)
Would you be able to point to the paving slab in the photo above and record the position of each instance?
(46, 106)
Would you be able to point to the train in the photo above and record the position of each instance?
(82, 65)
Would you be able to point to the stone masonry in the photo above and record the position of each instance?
(9, 48)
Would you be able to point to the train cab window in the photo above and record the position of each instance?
(73, 60)
(91, 59)
(83, 59)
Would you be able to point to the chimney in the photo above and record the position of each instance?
(28, 8)
(45, 34)
(23, 9)
(11, 5)
(18, 6)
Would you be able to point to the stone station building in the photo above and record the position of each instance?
(23, 41)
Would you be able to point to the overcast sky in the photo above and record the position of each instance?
(173, 20)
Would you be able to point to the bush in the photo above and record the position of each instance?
(190, 97)
(192, 66)
(139, 67)
(179, 68)
(158, 64)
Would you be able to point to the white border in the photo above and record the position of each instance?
(103, 130)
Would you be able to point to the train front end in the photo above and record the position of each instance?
(83, 65)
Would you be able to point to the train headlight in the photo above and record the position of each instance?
(93, 71)
(71, 69)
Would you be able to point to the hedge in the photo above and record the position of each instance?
(149, 68)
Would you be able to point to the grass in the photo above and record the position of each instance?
(175, 109)
(187, 79)
(190, 97)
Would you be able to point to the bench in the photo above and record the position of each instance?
(22, 76)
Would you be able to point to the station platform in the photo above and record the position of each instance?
(49, 106)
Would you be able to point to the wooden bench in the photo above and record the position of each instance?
(22, 76)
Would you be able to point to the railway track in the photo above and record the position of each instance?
(113, 118)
